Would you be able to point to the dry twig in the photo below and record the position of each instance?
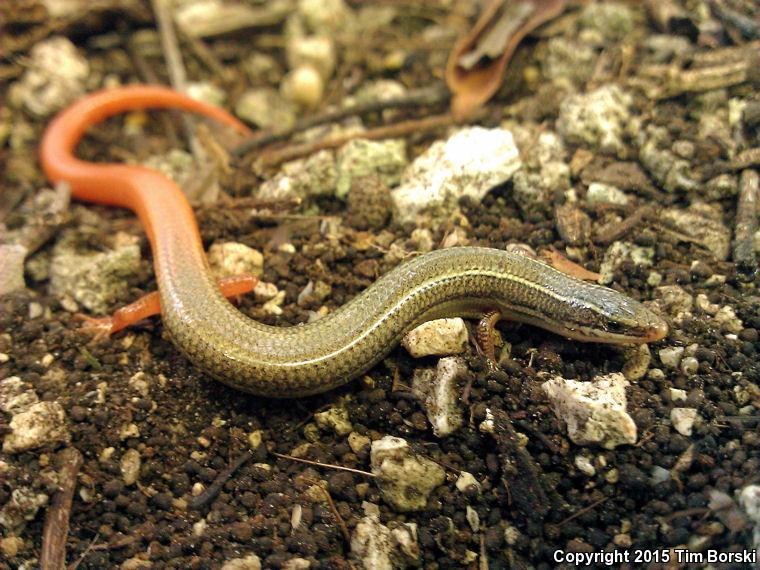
(214, 489)
(327, 465)
(746, 221)
(55, 533)
(424, 97)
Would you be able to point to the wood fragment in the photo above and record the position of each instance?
(425, 97)
(223, 18)
(726, 68)
(215, 488)
(573, 224)
(748, 27)
(56, 530)
(520, 473)
(333, 509)
(748, 158)
(205, 55)
(584, 510)
(614, 231)
(178, 79)
(483, 561)
(746, 222)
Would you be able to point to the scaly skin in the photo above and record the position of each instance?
(283, 362)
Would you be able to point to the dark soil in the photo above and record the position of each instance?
(192, 428)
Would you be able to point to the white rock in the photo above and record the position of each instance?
(671, 356)
(440, 337)
(56, 76)
(376, 90)
(472, 518)
(249, 562)
(584, 465)
(404, 537)
(677, 395)
(324, 16)
(599, 193)
(261, 68)
(659, 475)
(371, 543)
(594, 412)
(405, 479)
(96, 280)
(207, 92)
(336, 419)
(303, 86)
(129, 430)
(437, 390)
(683, 420)
(382, 548)
(470, 163)
(16, 395)
(12, 258)
(362, 157)
(568, 61)
(597, 119)
(689, 366)
(233, 258)
(674, 300)
(303, 178)
(318, 52)
(41, 424)
(611, 20)
(357, 441)
(130, 466)
(467, 480)
(546, 172)
(176, 164)
(727, 321)
(704, 223)
(139, 384)
(265, 108)
(702, 302)
(296, 564)
(21, 508)
(620, 252)
(749, 499)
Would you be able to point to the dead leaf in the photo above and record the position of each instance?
(476, 65)
(561, 263)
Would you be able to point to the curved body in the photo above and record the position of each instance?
(315, 357)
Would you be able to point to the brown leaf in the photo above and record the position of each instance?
(561, 263)
(476, 65)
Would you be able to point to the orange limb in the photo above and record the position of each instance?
(150, 304)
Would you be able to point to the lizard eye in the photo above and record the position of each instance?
(615, 327)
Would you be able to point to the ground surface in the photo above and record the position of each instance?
(188, 428)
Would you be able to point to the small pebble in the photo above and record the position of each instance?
(689, 366)
(584, 465)
(671, 356)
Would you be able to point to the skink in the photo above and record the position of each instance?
(283, 362)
